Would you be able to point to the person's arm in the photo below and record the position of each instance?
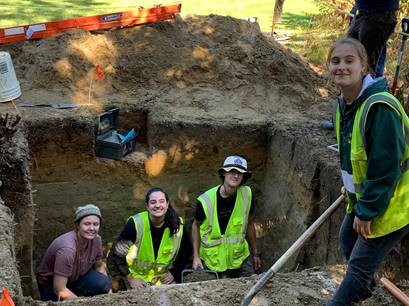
(99, 264)
(197, 262)
(63, 268)
(200, 216)
(385, 146)
(121, 247)
(124, 245)
(183, 257)
(125, 240)
(252, 240)
(60, 288)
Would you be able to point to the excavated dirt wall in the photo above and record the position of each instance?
(300, 182)
(293, 178)
(180, 156)
(292, 184)
(9, 275)
(16, 193)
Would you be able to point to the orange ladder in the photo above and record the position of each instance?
(89, 23)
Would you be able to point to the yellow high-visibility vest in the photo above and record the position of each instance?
(228, 251)
(396, 215)
(141, 257)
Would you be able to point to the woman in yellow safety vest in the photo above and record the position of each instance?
(152, 249)
(372, 132)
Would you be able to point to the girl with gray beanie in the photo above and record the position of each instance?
(72, 264)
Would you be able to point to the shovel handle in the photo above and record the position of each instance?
(405, 34)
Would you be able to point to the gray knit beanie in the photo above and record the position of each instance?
(86, 210)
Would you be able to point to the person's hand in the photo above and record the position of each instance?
(363, 228)
(167, 279)
(256, 263)
(345, 194)
(101, 267)
(136, 283)
(197, 263)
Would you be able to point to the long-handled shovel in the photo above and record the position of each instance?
(405, 34)
(291, 251)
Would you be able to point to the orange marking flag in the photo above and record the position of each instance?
(6, 298)
(100, 74)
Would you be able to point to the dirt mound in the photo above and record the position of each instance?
(306, 288)
(309, 287)
(201, 62)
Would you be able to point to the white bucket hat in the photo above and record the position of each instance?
(235, 162)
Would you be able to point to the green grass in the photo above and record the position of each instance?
(295, 12)
(296, 16)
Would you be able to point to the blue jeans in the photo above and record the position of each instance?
(372, 29)
(90, 284)
(364, 258)
(380, 65)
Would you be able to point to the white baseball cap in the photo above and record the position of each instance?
(235, 162)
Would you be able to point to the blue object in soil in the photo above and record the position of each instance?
(131, 135)
(326, 125)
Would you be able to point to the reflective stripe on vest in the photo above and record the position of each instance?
(210, 216)
(381, 98)
(395, 105)
(396, 215)
(228, 251)
(230, 240)
(140, 257)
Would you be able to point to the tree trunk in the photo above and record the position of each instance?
(278, 8)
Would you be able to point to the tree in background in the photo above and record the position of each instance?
(278, 9)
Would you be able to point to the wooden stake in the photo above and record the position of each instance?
(278, 8)
(395, 291)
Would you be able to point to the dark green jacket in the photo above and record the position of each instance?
(384, 136)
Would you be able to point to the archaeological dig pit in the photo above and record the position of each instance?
(196, 90)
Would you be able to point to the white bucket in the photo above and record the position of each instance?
(9, 86)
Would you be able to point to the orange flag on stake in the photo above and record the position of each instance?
(6, 298)
(100, 74)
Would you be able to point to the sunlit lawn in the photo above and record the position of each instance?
(295, 14)
(295, 19)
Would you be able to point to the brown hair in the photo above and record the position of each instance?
(172, 220)
(356, 44)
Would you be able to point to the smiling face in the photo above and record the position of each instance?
(346, 67)
(88, 227)
(233, 178)
(157, 205)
